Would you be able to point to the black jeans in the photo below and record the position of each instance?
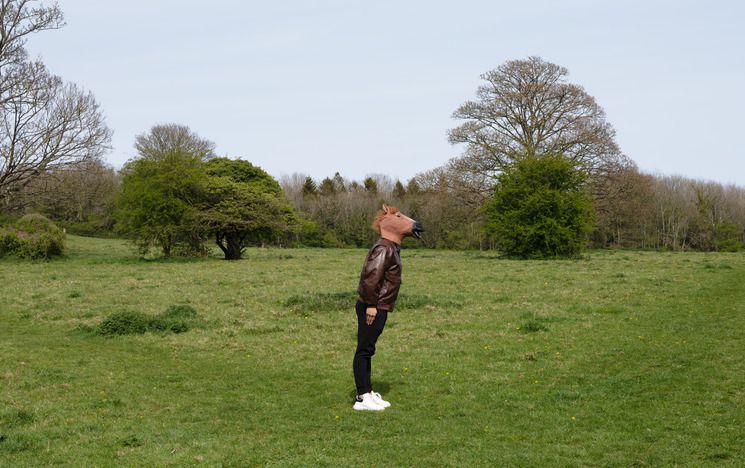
(367, 336)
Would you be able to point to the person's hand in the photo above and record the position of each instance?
(370, 315)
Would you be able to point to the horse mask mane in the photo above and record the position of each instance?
(394, 225)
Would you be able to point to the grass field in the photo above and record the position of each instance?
(618, 359)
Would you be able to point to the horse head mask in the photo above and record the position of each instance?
(394, 225)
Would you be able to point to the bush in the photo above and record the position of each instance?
(176, 319)
(40, 246)
(8, 242)
(35, 222)
(163, 325)
(125, 323)
(540, 209)
(33, 236)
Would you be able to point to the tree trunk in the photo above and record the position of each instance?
(234, 248)
(231, 245)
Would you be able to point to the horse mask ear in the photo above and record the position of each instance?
(385, 208)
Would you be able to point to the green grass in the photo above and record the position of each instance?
(618, 359)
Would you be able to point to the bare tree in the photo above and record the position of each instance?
(169, 138)
(45, 123)
(77, 193)
(624, 203)
(18, 19)
(526, 107)
(675, 211)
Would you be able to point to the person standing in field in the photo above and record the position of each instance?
(378, 289)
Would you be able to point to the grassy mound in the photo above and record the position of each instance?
(34, 237)
(176, 318)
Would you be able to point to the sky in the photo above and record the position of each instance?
(359, 88)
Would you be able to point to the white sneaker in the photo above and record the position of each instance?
(379, 400)
(367, 403)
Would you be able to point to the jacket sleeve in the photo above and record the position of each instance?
(373, 274)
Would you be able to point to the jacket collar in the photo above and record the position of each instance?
(390, 243)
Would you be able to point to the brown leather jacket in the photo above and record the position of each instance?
(381, 275)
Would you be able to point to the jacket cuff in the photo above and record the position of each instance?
(367, 302)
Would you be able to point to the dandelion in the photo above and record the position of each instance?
(573, 418)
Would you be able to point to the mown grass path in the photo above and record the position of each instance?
(619, 359)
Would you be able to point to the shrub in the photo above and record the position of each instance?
(176, 319)
(35, 222)
(178, 327)
(8, 242)
(39, 246)
(125, 323)
(540, 209)
(34, 237)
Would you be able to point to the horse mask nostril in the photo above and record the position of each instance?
(417, 230)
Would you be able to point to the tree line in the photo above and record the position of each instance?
(632, 210)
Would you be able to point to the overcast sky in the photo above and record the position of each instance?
(369, 87)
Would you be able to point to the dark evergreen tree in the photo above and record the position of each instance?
(309, 188)
(540, 209)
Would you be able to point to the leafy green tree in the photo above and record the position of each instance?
(540, 209)
(158, 201)
(242, 204)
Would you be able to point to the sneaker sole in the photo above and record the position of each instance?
(362, 408)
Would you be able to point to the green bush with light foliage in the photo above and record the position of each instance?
(177, 318)
(33, 237)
